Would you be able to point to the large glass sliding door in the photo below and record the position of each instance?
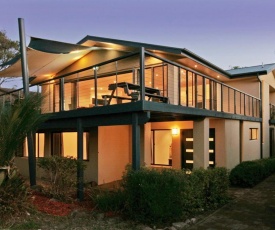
(156, 77)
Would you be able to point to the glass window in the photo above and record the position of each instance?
(199, 93)
(39, 146)
(183, 87)
(253, 134)
(191, 89)
(69, 143)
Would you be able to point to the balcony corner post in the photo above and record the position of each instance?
(142, 73)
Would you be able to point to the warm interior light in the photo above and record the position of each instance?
(75, 52)
(76, 58)
(48, 75)
(175, 131)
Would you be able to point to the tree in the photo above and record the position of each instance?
(16, 121)
(8, 50)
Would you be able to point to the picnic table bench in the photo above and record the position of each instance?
(133, 92)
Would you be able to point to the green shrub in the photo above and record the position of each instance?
(60, 176)
(269, 166)
(163, 196)
(154, 196)
(216, 187)
(250, 173)
(107, 200)
(168, 195)
(14, 195)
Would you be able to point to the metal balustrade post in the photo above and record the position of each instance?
(228, 102)
(196, 91)
(179, 88)
(95, 83)
(203, 92)
(234, 101)
(244, 105)
(142, 73)
(187, 89)
(252, 107)
(221, 98)
(61, 94)
(211, 94)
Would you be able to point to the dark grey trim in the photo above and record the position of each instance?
(55, 47)
(80, 170)
(132, 44)
(120, 114)
(135, 142)
(61, 94)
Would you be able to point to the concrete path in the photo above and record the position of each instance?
(253, 209)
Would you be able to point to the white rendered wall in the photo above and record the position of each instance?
(113, 152)
(265, 117)
(227, 145)
(251, 148)
(201, 144)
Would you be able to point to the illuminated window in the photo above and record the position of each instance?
(38, 146)
(69, 144)
(161, 145)
(253, 134)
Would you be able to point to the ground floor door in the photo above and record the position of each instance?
(187, 148)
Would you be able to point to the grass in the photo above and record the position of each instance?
(29, 224)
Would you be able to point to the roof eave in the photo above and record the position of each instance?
(249, 74)
(201, 60)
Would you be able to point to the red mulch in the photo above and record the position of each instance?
(58, 208)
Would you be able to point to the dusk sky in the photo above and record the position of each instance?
(224, 32)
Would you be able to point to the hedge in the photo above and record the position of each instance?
(250, 173)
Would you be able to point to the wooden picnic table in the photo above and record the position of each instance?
(132, 91)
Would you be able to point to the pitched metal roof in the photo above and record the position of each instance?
(252, 70)
(46, 56)
(100, 41)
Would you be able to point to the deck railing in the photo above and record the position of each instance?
(88, 87)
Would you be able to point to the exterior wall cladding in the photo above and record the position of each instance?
(153, 106)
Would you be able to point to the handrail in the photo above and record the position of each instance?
(196, 72)
(251, 111)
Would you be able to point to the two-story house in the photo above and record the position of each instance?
(115, 102)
